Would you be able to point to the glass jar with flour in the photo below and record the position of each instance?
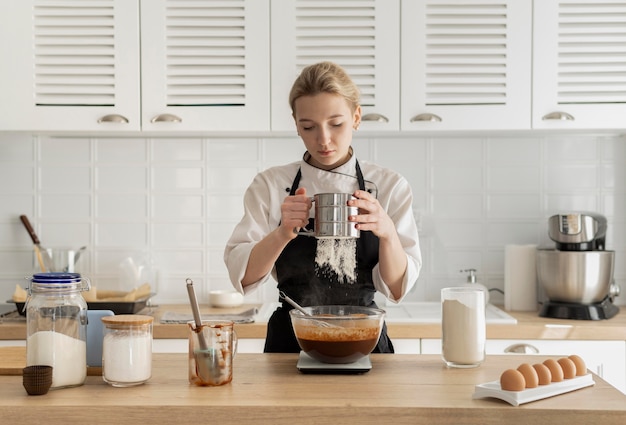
(127, 349)
(56, 326)
(463, 326)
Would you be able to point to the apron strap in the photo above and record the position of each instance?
(296, 180)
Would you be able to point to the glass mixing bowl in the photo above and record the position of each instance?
(337, 333)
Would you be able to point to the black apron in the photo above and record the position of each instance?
(300, 280)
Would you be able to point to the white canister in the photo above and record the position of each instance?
(463, 326)
(127, 349)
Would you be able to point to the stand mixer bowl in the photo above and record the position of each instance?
(581, 277)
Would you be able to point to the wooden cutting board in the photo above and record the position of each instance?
(13, 360)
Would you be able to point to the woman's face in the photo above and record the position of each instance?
(325, 123)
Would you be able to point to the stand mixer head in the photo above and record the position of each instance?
(578, 231)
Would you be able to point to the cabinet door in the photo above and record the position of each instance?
(362, 37)
(579, 64)
(205, 65)
(465, 64)
(69, 65)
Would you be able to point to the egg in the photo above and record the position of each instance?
(568, 366)
(581, 367)
(530, 375)
(555, 370)
(512, 380)
(543, 373)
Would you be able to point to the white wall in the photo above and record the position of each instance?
(177, 199)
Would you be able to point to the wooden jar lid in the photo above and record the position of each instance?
(127, 320)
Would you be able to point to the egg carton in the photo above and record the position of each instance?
(515, 398)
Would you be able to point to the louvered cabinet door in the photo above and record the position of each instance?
(360, 35)
(69, 65)
(579, 64)
(465, 64)
(205, 65)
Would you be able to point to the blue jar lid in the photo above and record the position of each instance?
(56, 278)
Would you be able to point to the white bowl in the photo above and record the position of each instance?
(225, 298)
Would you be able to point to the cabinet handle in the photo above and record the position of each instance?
(563, 116)
(166, 118)
(116, 118)
(522, 348)
(426, 117)
(374, 117)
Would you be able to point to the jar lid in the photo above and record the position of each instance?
(127, 320)
(56, 277)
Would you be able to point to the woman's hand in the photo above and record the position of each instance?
(371, 215)
(295, 213)
(392, 259)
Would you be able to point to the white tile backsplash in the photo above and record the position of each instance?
(571, 148)
(461, 206)
(67, 178)
(173, 179)
(65, 206)
(167, 235)
(121, 179)
(168, 150)
(122, 206)
(513, 179)
(121, 151)
(16, 179)
(514, 150)
(70, 233)
(57, 150)
(469, 151)
(510, 206)
(457, 178)
(121, 234)
(589, 202)
(178, 206)
(574, 177)
(172, 202)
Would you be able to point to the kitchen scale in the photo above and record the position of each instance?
(307, 364)
(596, 311)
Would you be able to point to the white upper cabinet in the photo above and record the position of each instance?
(76, 65)
(218, 65)
(205, 65)
(360, 35)
(579, 57)
(69, 65)
(466, 64)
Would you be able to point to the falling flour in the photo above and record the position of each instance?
(338, 255)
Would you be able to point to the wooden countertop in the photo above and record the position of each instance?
(267, 388)
(529, 326)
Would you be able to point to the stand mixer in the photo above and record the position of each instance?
(577, 276)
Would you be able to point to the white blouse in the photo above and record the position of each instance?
(269, 188)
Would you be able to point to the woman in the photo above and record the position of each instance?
(325, 106)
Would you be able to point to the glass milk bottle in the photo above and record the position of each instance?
(463, 326)
(127, 349)
(56, 326)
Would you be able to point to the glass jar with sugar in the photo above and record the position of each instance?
(127, 349)
(56, 326)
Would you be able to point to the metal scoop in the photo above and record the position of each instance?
(207, 363)
(297, 306)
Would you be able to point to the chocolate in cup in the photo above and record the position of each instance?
(37, 379)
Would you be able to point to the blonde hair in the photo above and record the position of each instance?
(324, 77)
